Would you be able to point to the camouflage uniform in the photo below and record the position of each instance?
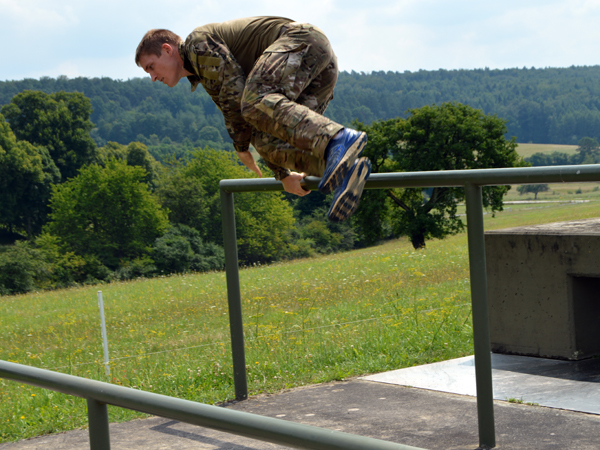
(273, 91)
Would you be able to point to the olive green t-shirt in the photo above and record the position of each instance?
(247, 38)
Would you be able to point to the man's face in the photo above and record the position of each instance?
(164, 68)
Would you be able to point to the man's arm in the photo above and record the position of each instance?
(248, 160)
(291, 182)
(223, 79)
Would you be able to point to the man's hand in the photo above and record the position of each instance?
(291, 184)
(248, 160)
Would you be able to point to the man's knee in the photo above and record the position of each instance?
(255, 106)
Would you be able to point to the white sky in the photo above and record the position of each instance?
(95, 38)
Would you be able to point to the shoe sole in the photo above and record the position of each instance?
(339, 173)
(346, 203)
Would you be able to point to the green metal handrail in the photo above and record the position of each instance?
(99, 394)
(472, 181)
(440, 178)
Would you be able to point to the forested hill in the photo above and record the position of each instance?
(541, 105)
(552, 105)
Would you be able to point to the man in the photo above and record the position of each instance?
(272, 79)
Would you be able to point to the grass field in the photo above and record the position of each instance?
(526, 150)
(559, 192)
(306, 322)
(563, 191)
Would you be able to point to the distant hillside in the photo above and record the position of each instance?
(546, 106)
(557, 106)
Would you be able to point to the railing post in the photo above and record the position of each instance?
(98, 425)
(234, 297)
(481, 325)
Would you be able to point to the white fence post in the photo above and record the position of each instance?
(104, 339)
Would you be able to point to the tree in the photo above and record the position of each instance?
(26, 175)
(60, 122)
(135, 154)
(447, 137)
(533, 189)
(552, 159)
(588, 151)
(183, 195)
(263, 220)
(112, 150)
(106, 212)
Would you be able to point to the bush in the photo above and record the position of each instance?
(143, 267)
(209, 256)
(94, 271)
(302, 248)
(172, 253)
(22, 268)
(181, 249)
(316, 234)
(68, 269)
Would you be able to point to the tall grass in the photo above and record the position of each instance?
(307, 321)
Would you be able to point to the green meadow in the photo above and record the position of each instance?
(307, 321)
(556, 192)
(526, 150)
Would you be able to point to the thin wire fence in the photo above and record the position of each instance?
(256, 338)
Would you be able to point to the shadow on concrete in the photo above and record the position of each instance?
(583, 370)
(216, 444)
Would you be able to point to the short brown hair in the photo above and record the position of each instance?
(151, 43)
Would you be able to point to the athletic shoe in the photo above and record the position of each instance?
(346, 198)
(341, 153)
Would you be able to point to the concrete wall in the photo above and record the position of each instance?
(544, 289)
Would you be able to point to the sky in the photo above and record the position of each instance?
(98, 38)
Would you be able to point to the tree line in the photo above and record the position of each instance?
(587, 152)
(548, 105)
(73, 212)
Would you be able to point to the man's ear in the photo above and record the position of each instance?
(168, 48)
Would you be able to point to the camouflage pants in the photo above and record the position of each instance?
(285, 96)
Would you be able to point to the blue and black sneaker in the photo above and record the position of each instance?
(346, 198)
(341, 153)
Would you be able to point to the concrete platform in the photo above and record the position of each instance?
(383, 409)
(542, 288)
(572, 385)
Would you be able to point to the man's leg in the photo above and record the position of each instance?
(347, 196)
(272, 99)
(281, 157)
(274, 151)
(301, 63)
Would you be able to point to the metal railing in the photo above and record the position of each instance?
(99, 394)
(472, 181)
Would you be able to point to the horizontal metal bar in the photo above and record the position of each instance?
(240, 423)
(440, 178)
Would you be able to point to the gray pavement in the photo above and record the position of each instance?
(386, 410)
(573, 385)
